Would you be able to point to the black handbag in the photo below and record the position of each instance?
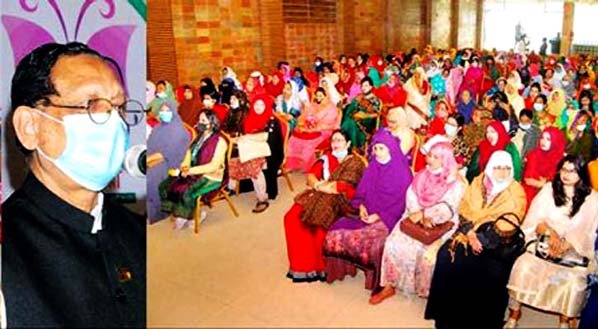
(502, 246)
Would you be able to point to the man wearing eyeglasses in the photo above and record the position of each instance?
(70, 257)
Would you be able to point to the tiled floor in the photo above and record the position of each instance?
(233, 275)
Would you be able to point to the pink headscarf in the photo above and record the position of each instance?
(430, 187)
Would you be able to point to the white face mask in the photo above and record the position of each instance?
(234, 104)
(384, 161)
(581, 128)
(538, 107)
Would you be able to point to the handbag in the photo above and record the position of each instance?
(502, 246)
(424, 234)
(570, 258)
(253, 147)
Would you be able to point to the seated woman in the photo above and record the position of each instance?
(380, 200)
(316, 124)
(441, 113)
(566, 211)
(260, 126)
(541, 163)
(407, 263)
(331, 181)
(397, 125)
(468, 287)
(166, 147)
(289, 103)
(497, 139)
(580, 141)
(201, 172)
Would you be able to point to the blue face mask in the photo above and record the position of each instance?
(340, 154)
(94, 153)
(165, 116)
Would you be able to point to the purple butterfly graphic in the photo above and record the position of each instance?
(112, 41)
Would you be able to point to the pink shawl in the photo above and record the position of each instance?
(431, 187)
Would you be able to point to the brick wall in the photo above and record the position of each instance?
(369, 26)
(210, 34)
(304, 41)
(251, 34)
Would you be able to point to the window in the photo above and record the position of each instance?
(309, 11)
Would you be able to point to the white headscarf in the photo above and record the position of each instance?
(499, 159)
(233, 76)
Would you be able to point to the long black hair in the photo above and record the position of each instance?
(582, 187)
(234, 118)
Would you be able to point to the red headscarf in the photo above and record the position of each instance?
(378, 63)
(545, 162)
(486, 149)
(275, 89)
(257, 122)
(258, 89)
(345, 87)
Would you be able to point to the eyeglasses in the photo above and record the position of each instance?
(502, 168)
(100, 109)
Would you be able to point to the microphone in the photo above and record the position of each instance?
(135, 160)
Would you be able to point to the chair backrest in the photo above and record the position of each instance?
(192, 132)
(286, 132)
(360, 157)
(415, 151)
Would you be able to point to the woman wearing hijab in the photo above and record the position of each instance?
(556, 103)
(225, 89)
(253, 87)
(407, 263)
(289, 104)
(468, 287)
(497, 139)
(580, 141)
(261, 119)
(376, 70)
(316, 124)
(391, 93)
(164, 91)
(379, 202)
(202, 171)
(330, 89)
(442, 110)
(166, 147)
(331, 183)
(397, 125)
(419, 94)
(565, 211)
(472, 79)
(541, 163)
(190, 106)
(453, 84)
(228, 73)
(515, 100)
(275, 84)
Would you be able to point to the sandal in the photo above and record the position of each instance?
(261, 206)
